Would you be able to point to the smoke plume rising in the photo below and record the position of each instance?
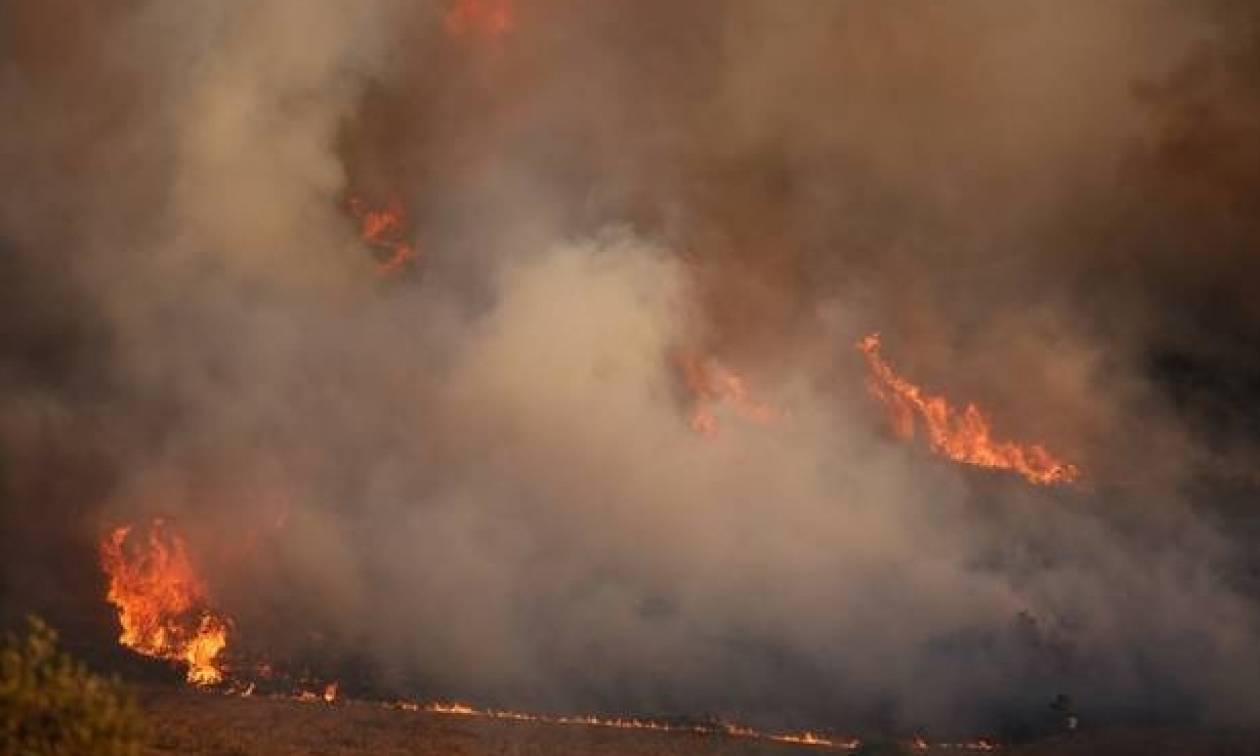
(474, 475)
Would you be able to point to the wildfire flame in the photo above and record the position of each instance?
(385, 230)
(963, 436)
(729, 729)
(328, 695)
(983, 744)
(489, 18)
(161, 601)
(712, 384)
(164, 612)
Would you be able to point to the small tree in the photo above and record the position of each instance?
(51, 704)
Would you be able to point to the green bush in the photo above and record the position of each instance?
(51, 704)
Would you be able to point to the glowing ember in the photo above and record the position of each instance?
(161, 601)
(451, 708)
(385, 230)
(811, 739)
(983, 744)
(328, 694)
(489, 18)
(727, 729)
(712, 384)
(961, 436)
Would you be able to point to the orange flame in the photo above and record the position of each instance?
(712, 384)
(961, 436)
(328, 695)
(162, 606)
(489, 18)
(728, 729)
(385, 230)
(161, 601)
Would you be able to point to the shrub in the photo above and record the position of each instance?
(51, 704)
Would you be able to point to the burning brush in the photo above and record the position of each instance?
(161, 601)
(384, 229)
(163, 608)
(961, 435)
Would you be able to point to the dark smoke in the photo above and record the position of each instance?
(477, 479)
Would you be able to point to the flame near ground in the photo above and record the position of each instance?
(164, 613)
(508, 348)
(161, 600)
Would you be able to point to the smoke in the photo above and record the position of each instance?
(477, 478)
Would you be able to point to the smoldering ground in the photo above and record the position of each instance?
(477, 478)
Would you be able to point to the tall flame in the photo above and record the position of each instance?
(712, 384)
(385, 230)
(963, 436)
(489, 18)
(161, 601)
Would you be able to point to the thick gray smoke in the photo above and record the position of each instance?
(476, 476)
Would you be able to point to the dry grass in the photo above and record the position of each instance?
(188, 722)
(1147, 741)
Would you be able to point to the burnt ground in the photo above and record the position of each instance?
(189, 722)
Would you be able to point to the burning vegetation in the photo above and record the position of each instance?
(162, 602)
(713, 386)
(164, 611)
(961, 435)
(726, 729)
(384, 229)
(641, 227)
